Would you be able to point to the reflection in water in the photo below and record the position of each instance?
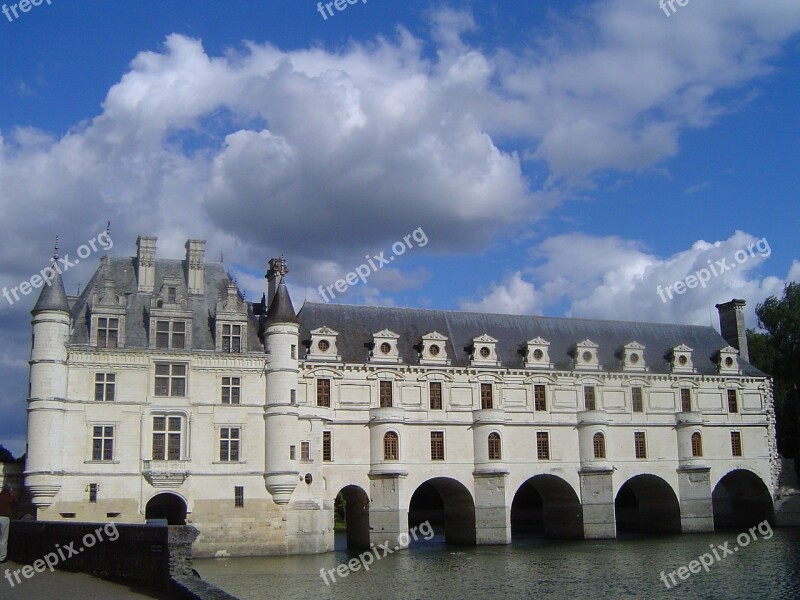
(629, 567)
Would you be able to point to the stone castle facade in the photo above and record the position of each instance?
(160, 393)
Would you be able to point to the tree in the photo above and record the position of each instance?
(5, 455)
(777, 352)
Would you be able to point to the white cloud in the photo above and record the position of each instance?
(611, 278)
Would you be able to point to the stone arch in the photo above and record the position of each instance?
(353, 502)
(168, 506)
(546, 505)
(447, 505)
(741, 499)
(647, 504)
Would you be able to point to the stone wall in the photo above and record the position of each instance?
(157, 557)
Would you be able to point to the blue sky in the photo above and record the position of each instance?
(562, 158)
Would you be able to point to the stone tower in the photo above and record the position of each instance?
(281, 335)
(48, 391)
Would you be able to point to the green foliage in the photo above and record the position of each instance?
(777, 352)
(339, 512)
(5, 455)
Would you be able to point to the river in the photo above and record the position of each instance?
(629, 567)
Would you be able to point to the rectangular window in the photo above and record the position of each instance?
(294, 352)
(167, 432)
(231, 390)
(171, 335)
(292, 396)
(324, 392)
(435, 389)
(229, 438)
(292, 453)
(102, 442)
(437, 445)
(543, 445)
(93, 487)
(486, 396)
(636, 399)
(172, 295)
(107, 332)
(305, 451)
(686, 399)
(539, 398)
(170, 380)
(327, 446)
(733, 402)
(232, 338)
(589, 402)
(385, 393)
(104, 387)
(639, 444)
(736, 443)
(238, 496)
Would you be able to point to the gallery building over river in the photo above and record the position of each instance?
(159, 392)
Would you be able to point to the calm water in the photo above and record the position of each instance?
(623, 568)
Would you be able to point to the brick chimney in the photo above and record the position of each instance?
(731, 325)
(195, 259)
(146, 263)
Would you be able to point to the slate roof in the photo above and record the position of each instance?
(123, 272)
(52, 297)
(357, 324)
(281, 309)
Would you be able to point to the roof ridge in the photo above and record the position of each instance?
(485, 314)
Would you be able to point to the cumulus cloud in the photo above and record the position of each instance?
(611, 278)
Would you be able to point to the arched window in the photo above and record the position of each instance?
(391, 446)
(599, 443)
(494, 446)
(697, 444)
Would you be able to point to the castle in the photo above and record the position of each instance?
(160, 393)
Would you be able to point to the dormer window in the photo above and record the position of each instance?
(728, 360)
(170, 335)
(537, 354)
(633, 357)
(483, 351)
(433, 350)
(231, 322)
(681, 359)
(322, 345)
(585, 355)
(384, 347)
(107, 317)
(170, 317)
(231, 338)
(107, 332)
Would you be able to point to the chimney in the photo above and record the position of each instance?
(731, 325)
(146, 263)
(195, 258)
(277, 271)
